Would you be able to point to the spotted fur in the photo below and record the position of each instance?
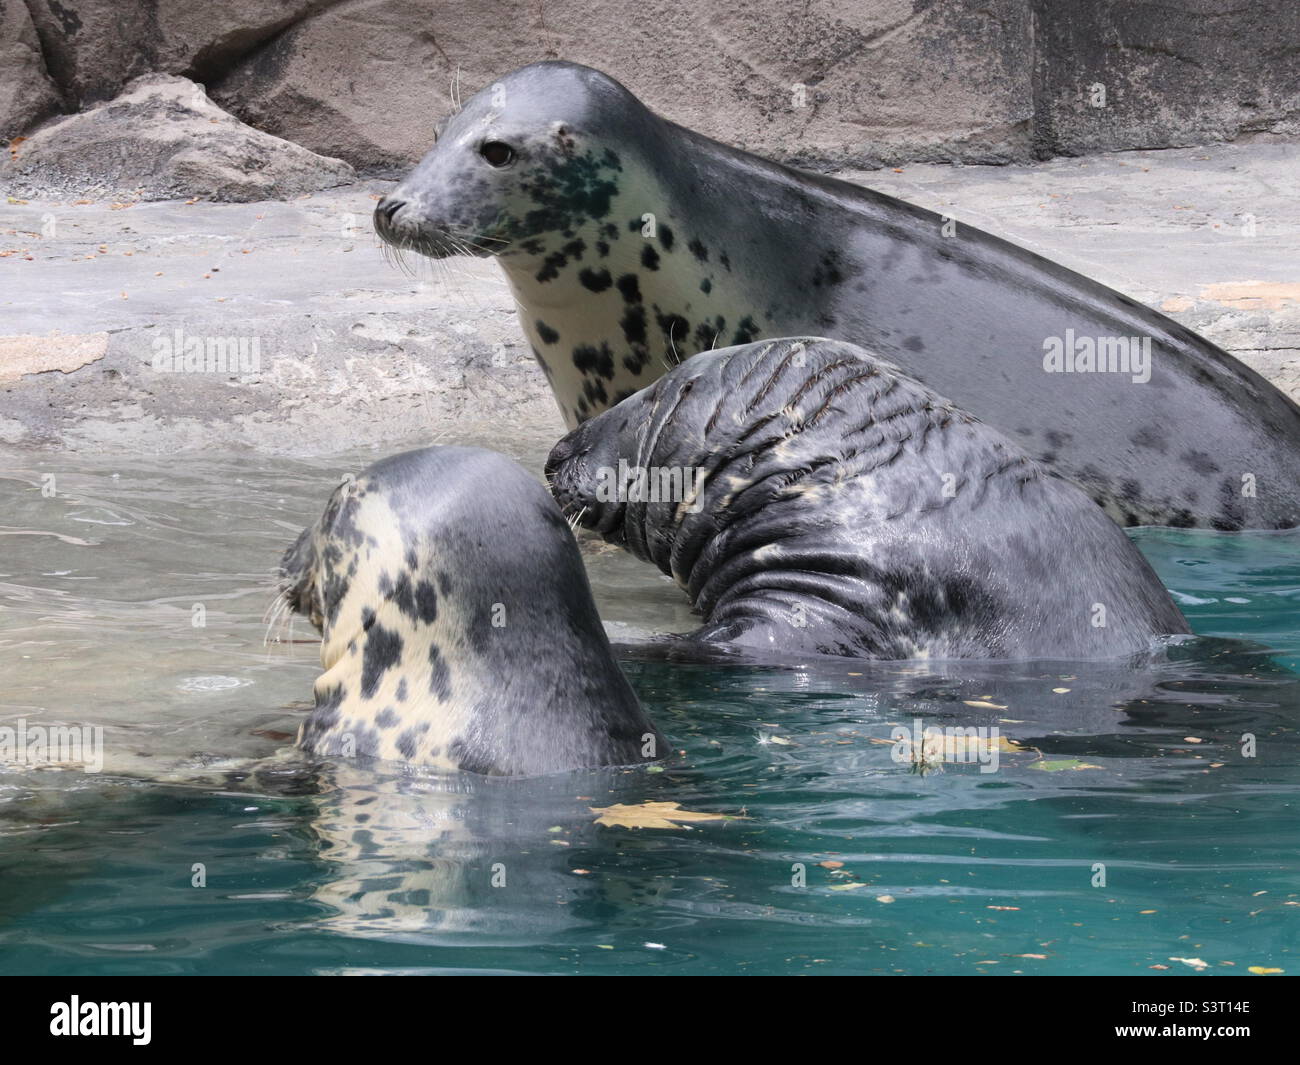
(631, 244)
(458, 628)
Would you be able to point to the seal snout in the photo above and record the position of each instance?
(297, 578)
(565, 474)
(386, 212)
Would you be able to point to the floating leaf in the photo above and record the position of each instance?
(884, 898)
(1259, 970)
(1195, 963)
(1062, 763)
(650, 815)
(983, 705)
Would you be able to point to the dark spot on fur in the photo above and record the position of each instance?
(406, 743)
(674, 327)
(439, 675)
(1149, 437)
(1200, 462)
(592, 360)
(383, 651)
(746, 331)
(649, 257)
(545, 333)
(698, 250)
(827, 272)
(630, 287)
(595, 280)
(634, 324)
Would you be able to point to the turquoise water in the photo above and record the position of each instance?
(836, 858)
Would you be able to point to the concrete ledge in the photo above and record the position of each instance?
(352, 352)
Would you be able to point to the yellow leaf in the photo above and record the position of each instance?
(650, 815)
(884, 898)
(983, 705)
(1259, 970)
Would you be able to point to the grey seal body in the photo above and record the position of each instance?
(458, 625)
(831, 504)
(631, 243)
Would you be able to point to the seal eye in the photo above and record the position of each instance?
(498, 153)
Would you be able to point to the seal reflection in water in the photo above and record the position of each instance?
(631, 243)
(458, 625)
(842, 508)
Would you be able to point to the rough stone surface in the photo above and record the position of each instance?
(94, 47)
(883, 81)
(1164, 75)
(27, 94)
(355, 353)
(164, 139)
(23, 355)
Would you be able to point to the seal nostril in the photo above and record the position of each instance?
(387, 209)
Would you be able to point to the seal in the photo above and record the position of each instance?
(458, 627)
(631, 243)
(811, 498)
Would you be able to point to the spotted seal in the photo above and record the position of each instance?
(631, 243)
(831, 504)
(458, 625)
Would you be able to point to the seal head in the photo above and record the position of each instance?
(458, 626)
(830, 504)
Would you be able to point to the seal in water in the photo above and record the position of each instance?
(811, 498)
(631, 243)
(458, 625)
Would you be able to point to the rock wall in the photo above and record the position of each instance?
(825, 83)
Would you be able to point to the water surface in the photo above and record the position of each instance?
(1136, 815)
